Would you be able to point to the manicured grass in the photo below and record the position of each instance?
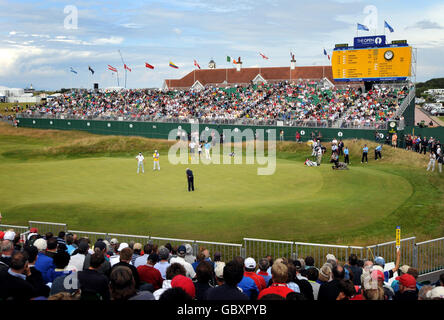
(102, 192)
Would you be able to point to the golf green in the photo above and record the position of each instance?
(230, 201)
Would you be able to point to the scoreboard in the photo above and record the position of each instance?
(386, 62)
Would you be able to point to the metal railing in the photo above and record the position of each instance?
(174, 242)
(128, 238)
(259, 248)
(91, 236)
(306, 123)
(427, 256)
(319, 252)
(406, 102)
(388, 251)
(17, 229)
(227, 250)
(45, 227)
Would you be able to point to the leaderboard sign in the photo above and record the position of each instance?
(372, 59)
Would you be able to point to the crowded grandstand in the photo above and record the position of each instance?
(297, 103)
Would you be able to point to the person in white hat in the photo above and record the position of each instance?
(140, 160)
(9, 235)
(116, 258)
(250, 268)
(156, 157)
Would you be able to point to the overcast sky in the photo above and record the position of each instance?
(39, 41)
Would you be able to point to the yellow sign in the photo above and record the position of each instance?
(398, 237)
(373, 63)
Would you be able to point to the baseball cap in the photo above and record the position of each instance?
(185, 283)
(9, 235)
(2, 234)
(437, 292)
(380, 261)
(377, 275)
(137, 246)
(181, 250)
(404, 268)
(189, 248)
(250, 263)
(407, 280)
(219, 270)
(34, 230)
(40, 244)
(114, 241)
(31, 235)
(122, 246)
(330, 257)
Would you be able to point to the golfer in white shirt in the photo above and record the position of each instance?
(140, 161)
(192, 148)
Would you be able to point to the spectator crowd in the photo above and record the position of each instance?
(301, 101)
(65, 267)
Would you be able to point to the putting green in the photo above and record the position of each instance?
(230, 201)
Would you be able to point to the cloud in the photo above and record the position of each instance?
(111, 40)
(177, 31)
(98, 42)
(132, 25)
(425, 25)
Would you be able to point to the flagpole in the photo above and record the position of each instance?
(121, 57)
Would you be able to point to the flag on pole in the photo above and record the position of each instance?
(90, 69)
(362, 27)
(172, 65)
(73, 71)
(112, 68)
(148, 65)
(326, 54)
(291, 56)
(228, 59)
(386, 25)
(234, 61)
(263, 56)
(126, 67)
(196, 64)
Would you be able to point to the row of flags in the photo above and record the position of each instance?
(230, 59)
(365, 28)
(114, 69)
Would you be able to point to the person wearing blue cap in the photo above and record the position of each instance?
(388, 274)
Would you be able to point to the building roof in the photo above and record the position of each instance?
(231, 76)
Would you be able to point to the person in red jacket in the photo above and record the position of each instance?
(250, 267)
(279, 274)
(149, 274)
